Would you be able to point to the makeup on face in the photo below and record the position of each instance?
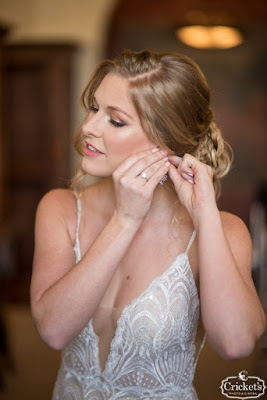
(112, 130)
(91, 151)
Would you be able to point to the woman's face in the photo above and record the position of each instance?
(112, 130)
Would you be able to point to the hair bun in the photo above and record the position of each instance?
(215, 152)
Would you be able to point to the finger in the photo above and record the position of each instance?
(175, 176)
(145, 162)
(126, 164)
(152, 169)
(175, 160)
(195, 169)
(187, 166)
(188, 177)
(158, 175)
(178, 179)
(188, 172)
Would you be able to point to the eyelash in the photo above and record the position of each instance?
(92, 108)
(117, 124)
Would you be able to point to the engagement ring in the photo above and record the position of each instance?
(144, 176)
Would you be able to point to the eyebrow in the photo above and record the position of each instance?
(120, 110)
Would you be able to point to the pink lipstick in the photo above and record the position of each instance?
(91, 151)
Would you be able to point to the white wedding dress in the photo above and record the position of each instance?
(153, 354)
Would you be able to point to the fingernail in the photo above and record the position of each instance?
(190, 174)
(191, 181)
(155, 149)
(165, 158)
(167, 163)
(163, 152)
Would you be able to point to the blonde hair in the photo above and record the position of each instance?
(172, 99)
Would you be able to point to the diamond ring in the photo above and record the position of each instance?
(144, 176)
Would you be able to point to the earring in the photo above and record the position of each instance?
(163, 179)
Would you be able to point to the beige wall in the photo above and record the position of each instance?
(83, 21)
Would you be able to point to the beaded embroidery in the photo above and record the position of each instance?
(152, 355)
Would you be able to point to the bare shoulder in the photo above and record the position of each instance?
(234, 226)
(238, 236)
(63, 202)
(59, 201)
(57, 198)
(57, 210)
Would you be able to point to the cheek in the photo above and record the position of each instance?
(128, 143)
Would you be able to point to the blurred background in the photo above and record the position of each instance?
(47, 51)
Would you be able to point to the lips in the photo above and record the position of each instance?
(92, 148)
(91, 151)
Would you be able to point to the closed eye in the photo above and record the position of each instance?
(94, 109)
(117, 124)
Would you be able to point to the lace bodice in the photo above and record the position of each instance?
(152, 355)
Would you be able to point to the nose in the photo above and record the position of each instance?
(92, 125)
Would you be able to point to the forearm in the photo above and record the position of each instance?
(231, 311)
(63, 310)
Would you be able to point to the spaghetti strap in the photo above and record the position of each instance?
(191, 241)
(76, 247)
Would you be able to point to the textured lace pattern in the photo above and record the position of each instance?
(152, 355)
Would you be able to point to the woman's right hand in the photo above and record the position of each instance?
(134, 193)
(65, 298)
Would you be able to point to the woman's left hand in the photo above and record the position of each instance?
(193, 183)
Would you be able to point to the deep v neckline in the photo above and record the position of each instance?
(136, 299)
(126, 309)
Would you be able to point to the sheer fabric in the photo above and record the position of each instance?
(153, 352)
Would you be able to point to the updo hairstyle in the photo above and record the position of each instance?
(172, 99)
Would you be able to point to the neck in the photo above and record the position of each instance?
(164, 205)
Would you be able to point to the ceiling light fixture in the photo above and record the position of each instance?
(209, 30)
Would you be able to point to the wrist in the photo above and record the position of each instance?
(126, 222)
(205, 215)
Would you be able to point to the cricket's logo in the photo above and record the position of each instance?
(243, 386)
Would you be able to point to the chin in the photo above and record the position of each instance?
(91, 168)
